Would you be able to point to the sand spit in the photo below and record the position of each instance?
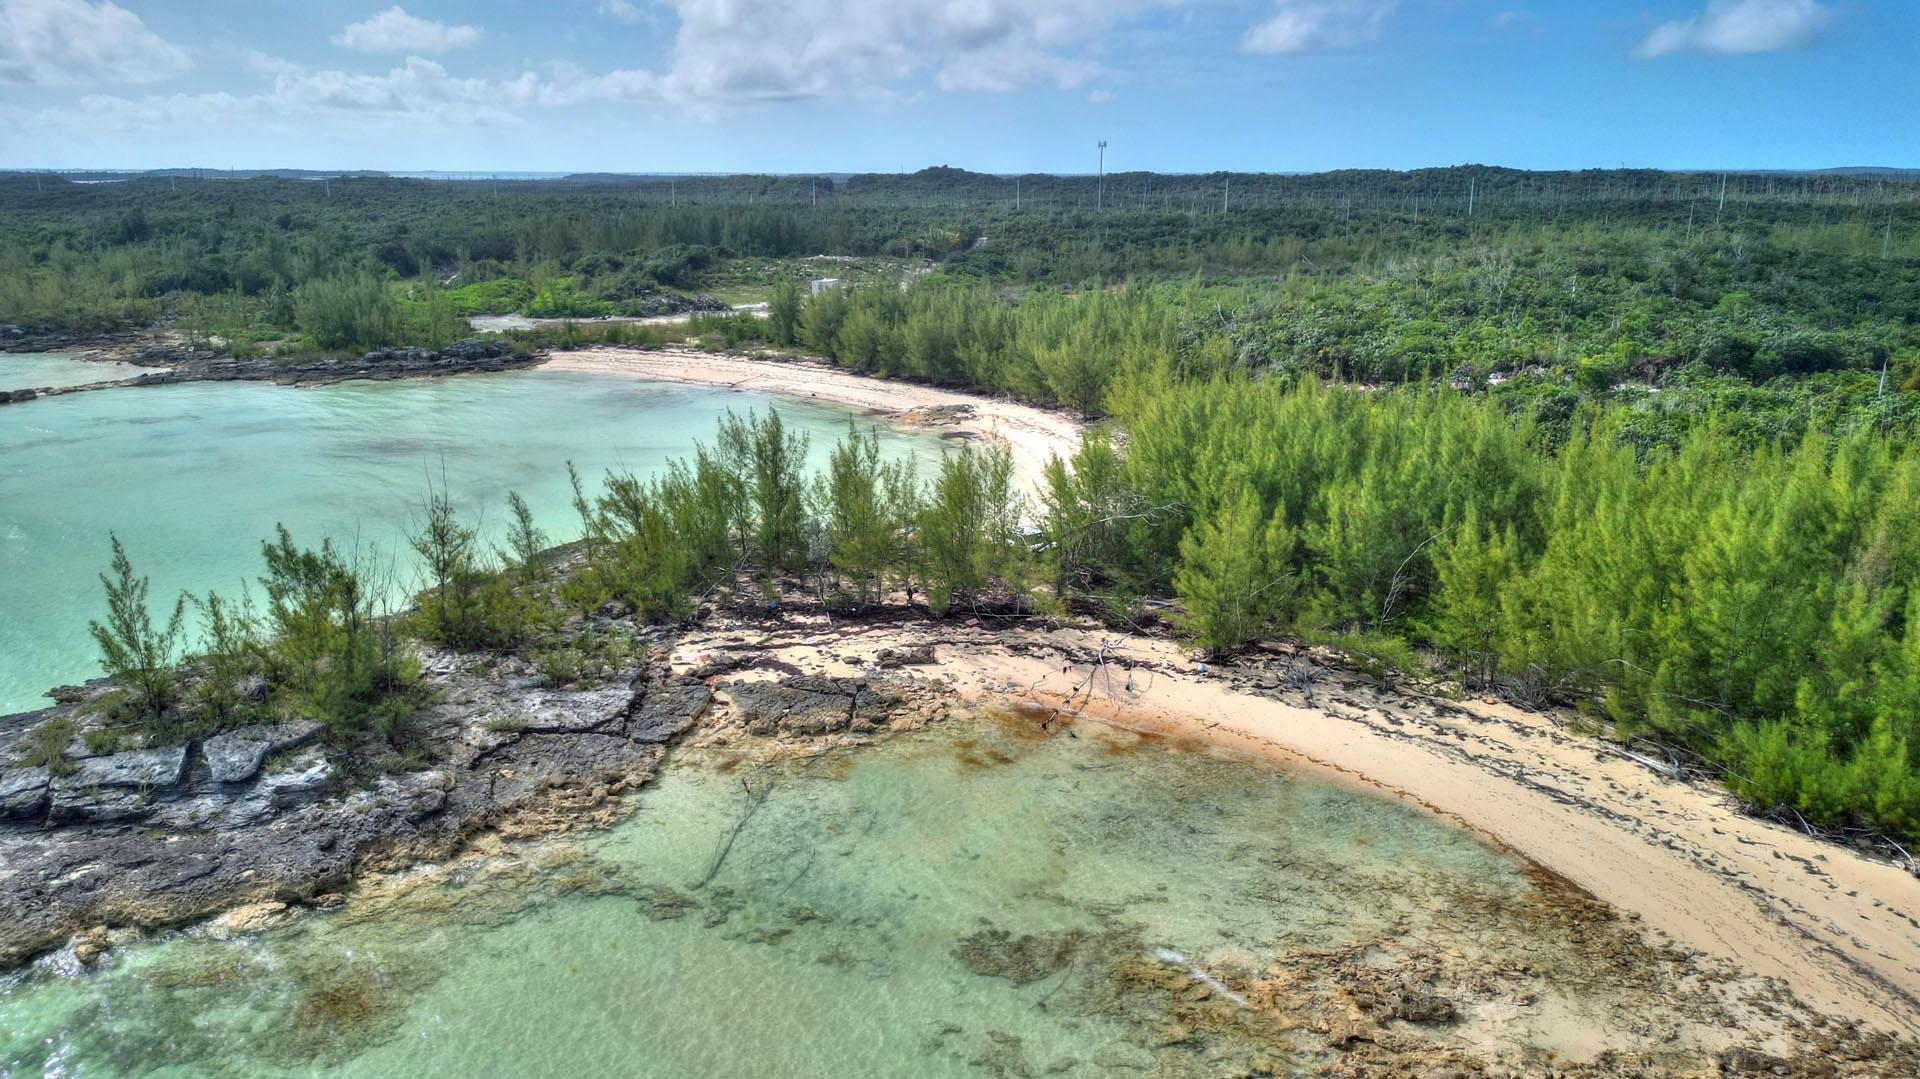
(1032, 434)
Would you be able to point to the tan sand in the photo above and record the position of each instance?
(1837, 928)
(1033, 435)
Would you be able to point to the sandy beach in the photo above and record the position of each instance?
(1841, 928)
(1835, 927)
(1032, 435)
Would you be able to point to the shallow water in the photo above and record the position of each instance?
(192, 477)
(46, 370)
(966, 901)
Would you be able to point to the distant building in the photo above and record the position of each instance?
(822, 284)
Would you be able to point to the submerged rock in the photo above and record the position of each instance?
(1026, 958)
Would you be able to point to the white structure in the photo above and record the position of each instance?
(822, 284)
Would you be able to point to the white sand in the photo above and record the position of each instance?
(1033, 435)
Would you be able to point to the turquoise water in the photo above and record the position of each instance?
(192, 477)
(968, 901)
(43, 370)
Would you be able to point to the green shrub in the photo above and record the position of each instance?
(45, 746)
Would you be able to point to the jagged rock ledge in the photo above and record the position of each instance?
(166, 834)
(173, 362)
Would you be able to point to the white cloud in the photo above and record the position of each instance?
(296, 99)
(395, 31)
(1738, 26)
(64, 42)
(624, 10)
(726, 52)
(1311, 25)
(743, 50)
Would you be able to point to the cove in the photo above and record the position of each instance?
(193, 477)
(43, 370)
(969, 900)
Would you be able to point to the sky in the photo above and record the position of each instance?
(1003, 86)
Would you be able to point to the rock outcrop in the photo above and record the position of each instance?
(236, 756)
(278, 814)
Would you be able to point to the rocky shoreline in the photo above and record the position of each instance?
(173, 361)
(162, 835)
(242, 826)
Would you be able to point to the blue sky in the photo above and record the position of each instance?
(995, 85)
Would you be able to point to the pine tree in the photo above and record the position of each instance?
(1232, 580)
(133, 653)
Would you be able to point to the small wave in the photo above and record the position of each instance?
(1168, 955)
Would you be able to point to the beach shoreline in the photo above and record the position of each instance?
(1031, 435)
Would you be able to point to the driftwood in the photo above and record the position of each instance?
(755, 799)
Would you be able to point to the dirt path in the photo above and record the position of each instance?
(1033, 435)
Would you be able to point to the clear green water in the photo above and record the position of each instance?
(840, 936)
(194, 476)
(44, 370)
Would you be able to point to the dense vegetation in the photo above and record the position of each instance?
(1608, 439)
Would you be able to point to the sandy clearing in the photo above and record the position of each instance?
(1841, 930)
(1033, 435)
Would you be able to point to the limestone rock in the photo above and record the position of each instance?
(236, 756)
(668, 712)
(23, 791)
(557, 712)
(809, 705)
(90, 945)
(888, 659)
(250, 919)
(309, 776)
(117, 786)
(164, 767)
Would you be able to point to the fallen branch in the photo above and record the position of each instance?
(755, 799)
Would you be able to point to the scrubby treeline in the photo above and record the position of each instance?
(1072, 348)
(1755, 603)
(741, 522)
(1368, 276)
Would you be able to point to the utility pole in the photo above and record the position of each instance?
(1016, 194)
(816, 191)
(1100, 197)
(673, 193)
(1718, 210)
(1226, 193)
(1473, 188)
